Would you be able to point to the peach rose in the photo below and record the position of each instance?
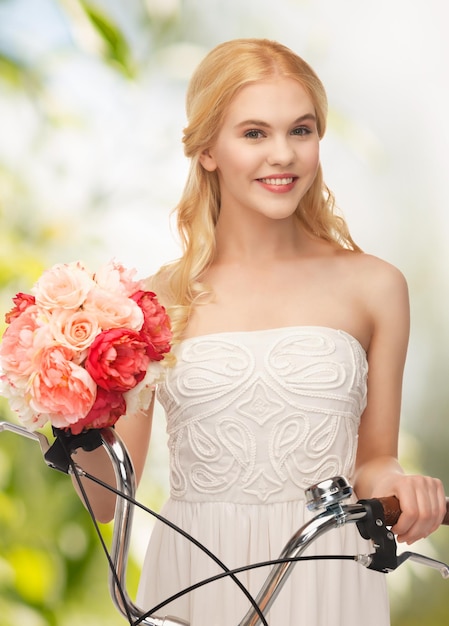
(115, 278)
(74, 329)
(113, 311)
(65, 286)
(61, 388)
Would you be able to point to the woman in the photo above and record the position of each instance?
(278, 318)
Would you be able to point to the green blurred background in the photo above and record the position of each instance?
(91, 116)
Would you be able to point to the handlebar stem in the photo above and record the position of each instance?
(124, 510)
(333, 516)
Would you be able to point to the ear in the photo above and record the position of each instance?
(207, 160)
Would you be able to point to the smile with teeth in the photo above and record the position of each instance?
(277, 181)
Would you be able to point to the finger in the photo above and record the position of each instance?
(439, 505)
(423, 510)
(409, 512)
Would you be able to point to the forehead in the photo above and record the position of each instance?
(274, 98)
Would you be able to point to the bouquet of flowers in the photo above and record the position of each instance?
(83, 349)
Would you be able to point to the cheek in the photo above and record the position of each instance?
(313, 156)
(234, 161)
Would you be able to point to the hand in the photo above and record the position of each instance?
(423, 504)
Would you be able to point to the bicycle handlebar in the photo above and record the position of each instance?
(371, 516)
(392, 510)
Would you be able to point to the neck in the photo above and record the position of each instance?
(262, 239)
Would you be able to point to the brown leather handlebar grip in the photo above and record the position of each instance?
(392, 510)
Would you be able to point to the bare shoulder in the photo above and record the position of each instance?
(374, 273)
(384, 293)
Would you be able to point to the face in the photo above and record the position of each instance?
(267, 151)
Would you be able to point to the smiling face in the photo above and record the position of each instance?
(266, 154)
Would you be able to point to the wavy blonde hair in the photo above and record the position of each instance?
(219, 77)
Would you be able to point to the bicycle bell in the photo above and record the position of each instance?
(327, 493)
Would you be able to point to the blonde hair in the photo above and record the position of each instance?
(219, 77)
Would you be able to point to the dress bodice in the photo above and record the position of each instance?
(257, 417)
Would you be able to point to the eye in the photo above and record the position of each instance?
(301, 131)
(254, 134)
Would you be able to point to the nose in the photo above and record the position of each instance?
(281, 152)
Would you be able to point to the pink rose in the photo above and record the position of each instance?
(22, 301)
(118, 359)
(21, 340)
(115, 278)
(60, 387)
(156, 324)
(113, 311)
(74, 329)
(108, 407)
(63, 286)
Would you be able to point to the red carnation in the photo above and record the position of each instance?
(156, 325)
(118, 359)
(22, 301)
(108, 407)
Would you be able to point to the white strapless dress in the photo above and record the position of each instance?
(253, 419)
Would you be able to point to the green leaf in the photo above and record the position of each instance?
(116, 51)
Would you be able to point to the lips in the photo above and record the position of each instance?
(287, 180)
(278, 184)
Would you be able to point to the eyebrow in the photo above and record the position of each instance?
(261, 123)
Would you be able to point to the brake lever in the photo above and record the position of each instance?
(385, 558)
(425, 560)
(20, 430)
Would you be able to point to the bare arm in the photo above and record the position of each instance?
(378, 472)
(135, 433)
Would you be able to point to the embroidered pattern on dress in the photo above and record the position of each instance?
(259, 416)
